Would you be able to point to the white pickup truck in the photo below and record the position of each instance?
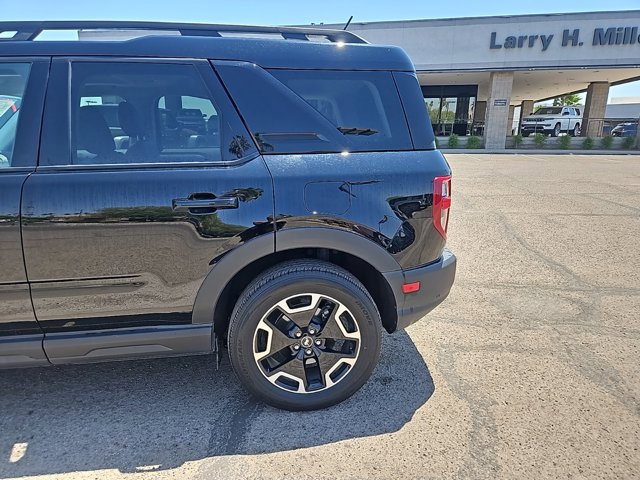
(553, 121)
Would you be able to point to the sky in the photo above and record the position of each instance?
(291, 12)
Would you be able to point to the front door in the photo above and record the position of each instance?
(22, 84)
(146, 174)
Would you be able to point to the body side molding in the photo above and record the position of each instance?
(127, 343)
(22, 351)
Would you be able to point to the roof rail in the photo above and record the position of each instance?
(27, 31)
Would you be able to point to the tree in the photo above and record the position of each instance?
(564, 100)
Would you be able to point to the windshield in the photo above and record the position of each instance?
(548, 111)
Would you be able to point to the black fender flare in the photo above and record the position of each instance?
(288, 239)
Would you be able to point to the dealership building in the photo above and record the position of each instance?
(475, 72)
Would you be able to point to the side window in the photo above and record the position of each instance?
(13, 80)
(578, 113)
(134, 112)
(363, 106)
(192, 122)
(318, 111)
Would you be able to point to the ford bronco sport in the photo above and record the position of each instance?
(274, 190)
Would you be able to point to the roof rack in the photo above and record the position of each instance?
(28, 31)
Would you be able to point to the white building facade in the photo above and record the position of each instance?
(474, 72)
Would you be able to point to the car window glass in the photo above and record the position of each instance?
(143, 113)
(194, 121)
(548, 111)
(13, 79)
(317, 111)
(364, 106)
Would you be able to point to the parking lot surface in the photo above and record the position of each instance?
(529, 370)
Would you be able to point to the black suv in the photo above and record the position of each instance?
(275, 190)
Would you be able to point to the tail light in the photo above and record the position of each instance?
(441, 204)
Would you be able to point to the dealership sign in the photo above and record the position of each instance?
(570, 38)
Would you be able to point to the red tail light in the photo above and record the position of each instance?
(441, 204)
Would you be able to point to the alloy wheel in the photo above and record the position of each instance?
(306, 343)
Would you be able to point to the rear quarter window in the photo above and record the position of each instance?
(318, 111)
(363, 106)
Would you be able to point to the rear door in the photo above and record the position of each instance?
(22, 84)
(146, 175)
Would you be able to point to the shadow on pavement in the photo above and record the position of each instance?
(158, 414)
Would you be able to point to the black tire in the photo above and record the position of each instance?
(556, 130)
(525, 134)
(300, 279)
(576, 130)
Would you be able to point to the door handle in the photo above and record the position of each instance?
(204, 206)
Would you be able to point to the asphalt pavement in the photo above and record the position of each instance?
(530, 369)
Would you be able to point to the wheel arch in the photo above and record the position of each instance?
(363, 258)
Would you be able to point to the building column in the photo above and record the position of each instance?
(526, 109)
(495, 122)
(512, 109)
(594, 109)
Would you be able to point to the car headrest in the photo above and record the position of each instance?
(129, 120)
(94, 135)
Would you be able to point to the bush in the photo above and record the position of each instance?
(564, 142)
(539, 139)
(517, 140)
(628, 142)
(453, 141)
(587, 144)
(606, 142)
(474, 142)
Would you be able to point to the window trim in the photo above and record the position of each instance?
(209, 79)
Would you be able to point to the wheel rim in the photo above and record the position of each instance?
(557, 130)
(306, 343)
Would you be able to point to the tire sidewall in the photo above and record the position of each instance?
(576, 130)
(251, 312)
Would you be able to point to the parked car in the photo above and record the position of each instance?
(313, 222)
(627, 129)
(553, 121)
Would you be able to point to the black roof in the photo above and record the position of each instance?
(288, 47)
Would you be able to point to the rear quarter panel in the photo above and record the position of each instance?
(384, 196)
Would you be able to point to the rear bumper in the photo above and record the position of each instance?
(435, 280)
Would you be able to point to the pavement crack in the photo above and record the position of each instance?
(551, 263)
(482, 456)
(228, 435)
